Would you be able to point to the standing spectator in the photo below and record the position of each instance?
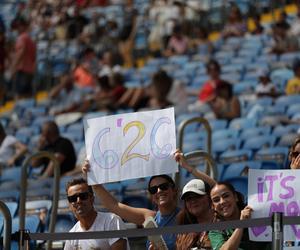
(229, 205)
(24, 59)
(293, 85)
(62, 148)
(11, 150)
(81, 203)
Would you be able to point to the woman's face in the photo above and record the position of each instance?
(165, 193)
(197, 205)
(224, 201)
(295, 157)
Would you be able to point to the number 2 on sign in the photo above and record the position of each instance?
(126, 155)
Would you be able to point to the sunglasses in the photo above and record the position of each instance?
(164, 186)
(83, 196)
(295, 154)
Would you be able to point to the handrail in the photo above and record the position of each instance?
(7, 225)
(207, 127)
(56, 179)
(211, 163)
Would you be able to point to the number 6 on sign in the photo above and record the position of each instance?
(127, 156)
(132, 145)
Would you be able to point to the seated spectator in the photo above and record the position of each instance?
(293, 85)
(258, 28)
(81, 203)
(11, 150)
(201, 44)
(235, 25)
(295, 26)
(85, 73)
(224, 104)
(177, 44)
(62, 148)
(229, 205)
(265, 87)
(294, 155)
(65, 96)
(282, 20)
(282, 41)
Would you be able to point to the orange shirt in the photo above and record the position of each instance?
(83, 78)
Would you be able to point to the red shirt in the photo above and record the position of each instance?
(27, 62)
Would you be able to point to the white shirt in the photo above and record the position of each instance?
(7, 148)
(103, 222)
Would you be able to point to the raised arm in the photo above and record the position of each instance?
(128, 213)
(179, 157)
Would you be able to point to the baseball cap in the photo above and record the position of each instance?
(196, 186)
(207, 93)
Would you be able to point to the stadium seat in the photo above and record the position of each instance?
(277, 154)
(242, 123)
(235, 156)
(261, 141)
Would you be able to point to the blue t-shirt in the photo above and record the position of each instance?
(167, 220)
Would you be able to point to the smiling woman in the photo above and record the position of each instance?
(229, 205)
(294, 155)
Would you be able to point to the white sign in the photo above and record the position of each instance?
(131, 145)
(274, 191)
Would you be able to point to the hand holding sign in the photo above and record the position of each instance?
(131, 145)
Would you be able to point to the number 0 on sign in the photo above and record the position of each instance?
(131, 145)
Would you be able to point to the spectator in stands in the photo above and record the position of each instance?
(229, 205)
(293, 85)
(11, 150)
(178, 43)
(81, 203)
(62, 148)
(265, 87)
(85, 73)
(24, 59)
(197, 209)
(223, 103)
(65, 96)
(282, 41)
(235, 26)
(258, 28)
(295, 26)
(128, 32)
(282, 20)
(76, 23)
(2, 61)
(294, 155)
(201, 44)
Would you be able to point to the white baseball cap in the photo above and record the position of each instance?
(196, 186)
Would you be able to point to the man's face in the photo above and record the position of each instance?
(80, 200)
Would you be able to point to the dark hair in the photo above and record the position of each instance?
(295, 143)
(52, 126)
(224, 90)
(164, 176)
(213, 63)
(240, 197)
(2, 131)
(163, 83)
(296, 64)
(78, 181)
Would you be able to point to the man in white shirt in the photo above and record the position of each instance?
(81, 203)
(11, 149)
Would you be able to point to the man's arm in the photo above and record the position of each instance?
(120, 244)
(50, 168)
(20, 150)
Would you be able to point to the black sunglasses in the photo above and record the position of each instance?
(83, 196)
(295, 154)
(164, 186)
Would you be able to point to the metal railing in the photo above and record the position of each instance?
(7, 225)
(55, 198)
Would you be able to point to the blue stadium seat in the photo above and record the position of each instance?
(235, 156)
(261, 141)
(137, 201)
(251, 132)
(277, 154)
(242, 123)
(224, 133)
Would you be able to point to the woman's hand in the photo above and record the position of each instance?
(295, 163)
(180, 159)
(246, 213)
